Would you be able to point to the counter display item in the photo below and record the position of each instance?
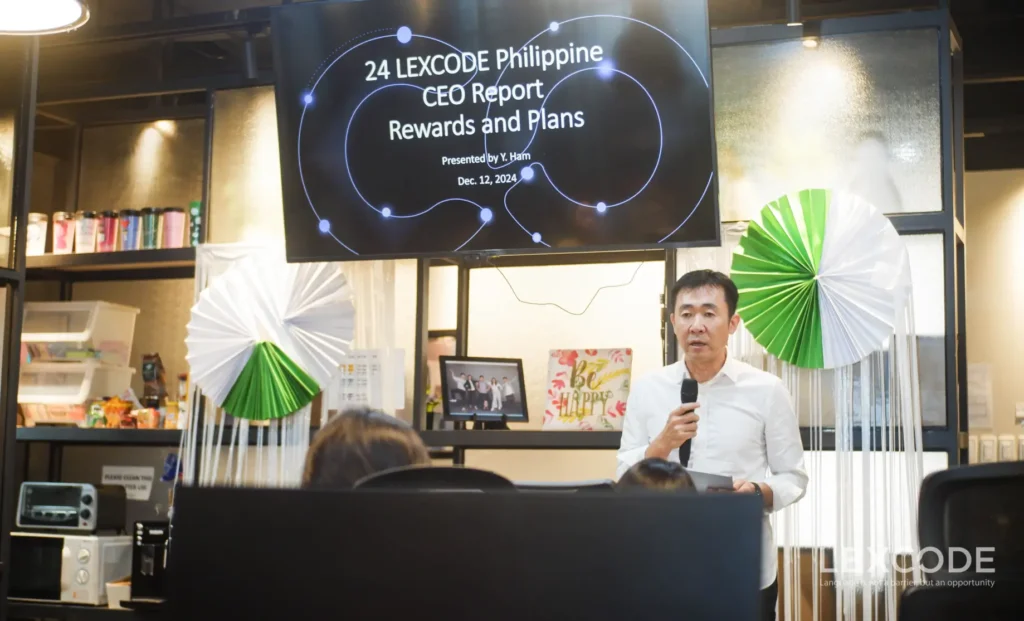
(151, 228)
(173, 227)
(86, 230)
(35, 238)
(131, 229)
(63, 232)
(195, 217)
(107, 232)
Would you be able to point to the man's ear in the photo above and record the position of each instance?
(734, 322)
(672, 320)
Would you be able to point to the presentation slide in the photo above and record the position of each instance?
(433, 128)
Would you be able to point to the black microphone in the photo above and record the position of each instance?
(687, 394)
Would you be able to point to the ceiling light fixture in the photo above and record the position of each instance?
(40, 17)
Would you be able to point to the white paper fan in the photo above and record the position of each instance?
(266, 329)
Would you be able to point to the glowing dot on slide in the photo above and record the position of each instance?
(601, 208)
(527, 173)
(325, 226)
(536, 238)
(404, 34)
(553, 27)
(386, 212)
(605, 69)
(486, 214)
(307, 98)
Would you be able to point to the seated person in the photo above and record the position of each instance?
(358, 443)
(657, 474)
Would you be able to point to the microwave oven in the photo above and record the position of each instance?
(70, 569)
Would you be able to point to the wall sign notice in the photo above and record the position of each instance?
(411, 128)
(136, 480)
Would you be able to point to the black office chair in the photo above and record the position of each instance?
(598, 485)
(976, 506)
(432, 478)
(970, 507)
(930, 602)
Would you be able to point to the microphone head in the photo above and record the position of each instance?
(688, 391)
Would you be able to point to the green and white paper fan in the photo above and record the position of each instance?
(822, 278)
(266, 336)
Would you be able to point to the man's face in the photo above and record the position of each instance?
(702, 323)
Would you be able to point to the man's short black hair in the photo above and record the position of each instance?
(703, 279)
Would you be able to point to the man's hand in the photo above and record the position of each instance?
(746, 487)
(680, 428)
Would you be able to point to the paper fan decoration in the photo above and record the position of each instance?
(266, 336)
(822, 277)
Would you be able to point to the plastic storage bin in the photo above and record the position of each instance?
(61, 392)
(79, 331)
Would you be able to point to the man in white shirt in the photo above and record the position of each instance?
(743, 423)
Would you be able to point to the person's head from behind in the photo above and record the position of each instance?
(657, 474)
(704, 313)
(358, 443)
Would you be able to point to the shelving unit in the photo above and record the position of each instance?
(76, 435)
(463, 439)
(125, 264)
(68, 612)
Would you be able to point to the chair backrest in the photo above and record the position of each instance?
(433, 478)
(973, 507)
(1001, 602)
(597, 485)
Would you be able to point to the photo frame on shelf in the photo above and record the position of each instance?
(483, 389)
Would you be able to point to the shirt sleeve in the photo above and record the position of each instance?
(785, 450)
(635, 440)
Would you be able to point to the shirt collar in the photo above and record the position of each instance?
(730, 370)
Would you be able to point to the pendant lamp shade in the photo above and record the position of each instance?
(39, 17)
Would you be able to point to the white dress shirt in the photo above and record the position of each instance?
(747, 427)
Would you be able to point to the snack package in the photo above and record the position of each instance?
(117, 413)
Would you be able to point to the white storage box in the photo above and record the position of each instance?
(60, 392)
(79, 331)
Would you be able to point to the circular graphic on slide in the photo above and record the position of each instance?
(519, 131)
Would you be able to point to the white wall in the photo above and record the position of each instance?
(995, 287)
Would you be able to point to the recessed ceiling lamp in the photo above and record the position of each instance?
(39, 17)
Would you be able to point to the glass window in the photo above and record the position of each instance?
(859, 112)
(927, 274)
(625, 313)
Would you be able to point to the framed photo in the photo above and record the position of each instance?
(483, 389)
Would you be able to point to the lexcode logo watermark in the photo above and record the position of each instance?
(909, 583)
(929, 560)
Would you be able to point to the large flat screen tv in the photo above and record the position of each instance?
(438, 127)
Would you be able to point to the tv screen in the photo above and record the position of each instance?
(450, 126)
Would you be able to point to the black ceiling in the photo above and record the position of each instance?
(992, 32)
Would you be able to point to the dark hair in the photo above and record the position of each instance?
(702, 279)
(358, 443)
(656, 473)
